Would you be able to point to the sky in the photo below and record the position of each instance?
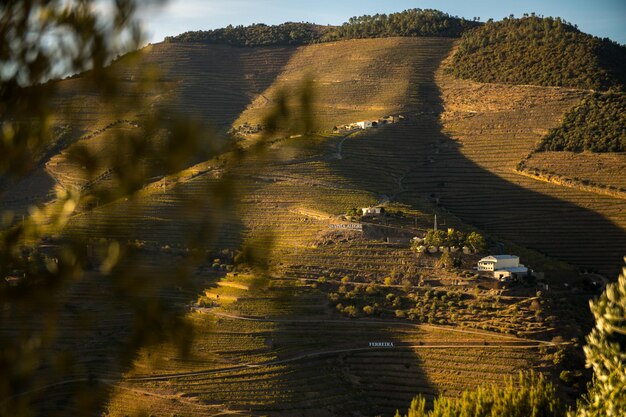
(603, 18)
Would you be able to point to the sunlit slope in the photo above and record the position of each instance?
(286, 201)
(355, 80)
(488, 129)
(373, 79)
(210, 83)
(214, 82)
(603, 173)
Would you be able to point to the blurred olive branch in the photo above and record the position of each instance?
(40, 258)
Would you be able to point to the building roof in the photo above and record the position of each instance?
(514, 269)
(494, 258)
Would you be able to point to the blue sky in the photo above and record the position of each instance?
(604, 18)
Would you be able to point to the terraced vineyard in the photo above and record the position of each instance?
(305, 360)
(601, 172)
(354, 80)
(212, 85)
(492, 128)
(275, 346)
(467, 165)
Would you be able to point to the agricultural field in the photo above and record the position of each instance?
(353, 80)
(294, 339)
(601, 172)
(199, 82)
(488, 129)
(467, 166)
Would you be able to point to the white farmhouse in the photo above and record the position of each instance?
(366, 124)
(494, 262)
(372, 211)
(503, 266)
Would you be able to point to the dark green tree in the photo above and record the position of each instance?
(540, 51)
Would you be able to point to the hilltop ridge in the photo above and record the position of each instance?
(409, 23)
(539, 51)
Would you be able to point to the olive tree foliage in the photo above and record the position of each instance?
(44, 39)
(41, 40)
(530, 395)
(606, 354)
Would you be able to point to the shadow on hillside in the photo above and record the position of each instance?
(95, 322)
(330, 365)
(103, 319)
(417, 163)
(215, 83)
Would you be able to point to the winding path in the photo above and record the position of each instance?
(338, 155)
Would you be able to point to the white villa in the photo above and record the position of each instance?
(495, 262)
(372, 211)
(366, 124)
(504, 267)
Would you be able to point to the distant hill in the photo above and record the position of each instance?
(597, 124)
(409, 23)
(255, 35)
(540, 51)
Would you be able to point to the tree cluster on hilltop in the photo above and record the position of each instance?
(410, 23)
(597, 124)
(541, 51)
(254, 35)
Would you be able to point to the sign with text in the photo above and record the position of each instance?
(347, 226)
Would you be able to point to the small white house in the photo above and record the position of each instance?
(504, 267)
(495, 262)
(366, 124)
(372, 211)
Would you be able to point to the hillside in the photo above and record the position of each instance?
(296, 339)
(211, 85)
(539, 51)
(289, 329)
(597, 124)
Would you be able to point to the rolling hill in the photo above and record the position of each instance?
(282, 345)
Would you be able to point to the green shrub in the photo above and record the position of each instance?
(369, 310)
(529, 395)
(606, 354)
(597, 124)
(351, 311)
(566, 376)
